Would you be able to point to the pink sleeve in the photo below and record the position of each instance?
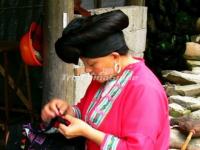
(79, 107)
(144, 112)
(133, 142)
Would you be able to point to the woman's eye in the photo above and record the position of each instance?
(91, 65)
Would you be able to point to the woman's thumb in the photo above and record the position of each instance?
(68, 119)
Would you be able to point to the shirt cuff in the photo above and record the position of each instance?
(77, 112)
(110, 142)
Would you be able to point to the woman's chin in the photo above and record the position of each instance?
(100, 79)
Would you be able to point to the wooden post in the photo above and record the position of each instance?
(69, 5)
(55, 70)
(6, 92)
(136, 2)
(97, 3)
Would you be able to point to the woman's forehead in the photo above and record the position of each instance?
(92, 60)
(88, 59)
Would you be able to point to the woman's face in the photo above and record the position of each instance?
(101, 68)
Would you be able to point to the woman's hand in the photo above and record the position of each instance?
(54, 108)
(78, 127)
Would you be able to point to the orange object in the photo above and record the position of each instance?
(31, 46)
(80, 10)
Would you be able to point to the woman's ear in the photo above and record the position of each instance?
(115, 55)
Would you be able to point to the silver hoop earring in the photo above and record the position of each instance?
(117, 68)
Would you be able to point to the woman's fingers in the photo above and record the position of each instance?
(47, 114)
(69, 118)
(63, 109)
(53, 108)
(64, 130)
(68, 131)
(60, 106)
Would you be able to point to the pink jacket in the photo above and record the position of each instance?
(137, 118)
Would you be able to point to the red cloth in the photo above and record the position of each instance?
(138, 119)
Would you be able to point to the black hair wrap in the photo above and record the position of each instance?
(93, 36)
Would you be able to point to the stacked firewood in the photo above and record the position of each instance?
(183, 90)
(173, 54)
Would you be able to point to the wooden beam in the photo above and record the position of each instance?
(136, 2)
(17, 90)
(8, 46)
(16, 110)
(55, 71)
(6, 91)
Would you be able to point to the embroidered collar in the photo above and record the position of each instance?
(105, 97)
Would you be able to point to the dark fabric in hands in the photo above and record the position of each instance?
(38, 139)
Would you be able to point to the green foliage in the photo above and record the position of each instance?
(166, 41)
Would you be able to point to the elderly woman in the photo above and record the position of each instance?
(125, 106)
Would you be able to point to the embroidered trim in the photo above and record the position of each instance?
(111, 143)
(77, 112)
(94, 101)
(105, 103)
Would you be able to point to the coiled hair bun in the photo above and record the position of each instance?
(67, 53)
(83, 32)
(96, 27)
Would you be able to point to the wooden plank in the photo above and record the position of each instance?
(17, 90)
(16, 110)
(6, 91)
(8, 46)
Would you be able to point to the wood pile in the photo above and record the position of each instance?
(183, 90)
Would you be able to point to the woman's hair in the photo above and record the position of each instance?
(93, 36)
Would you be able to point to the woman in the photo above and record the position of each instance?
(125, 106)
